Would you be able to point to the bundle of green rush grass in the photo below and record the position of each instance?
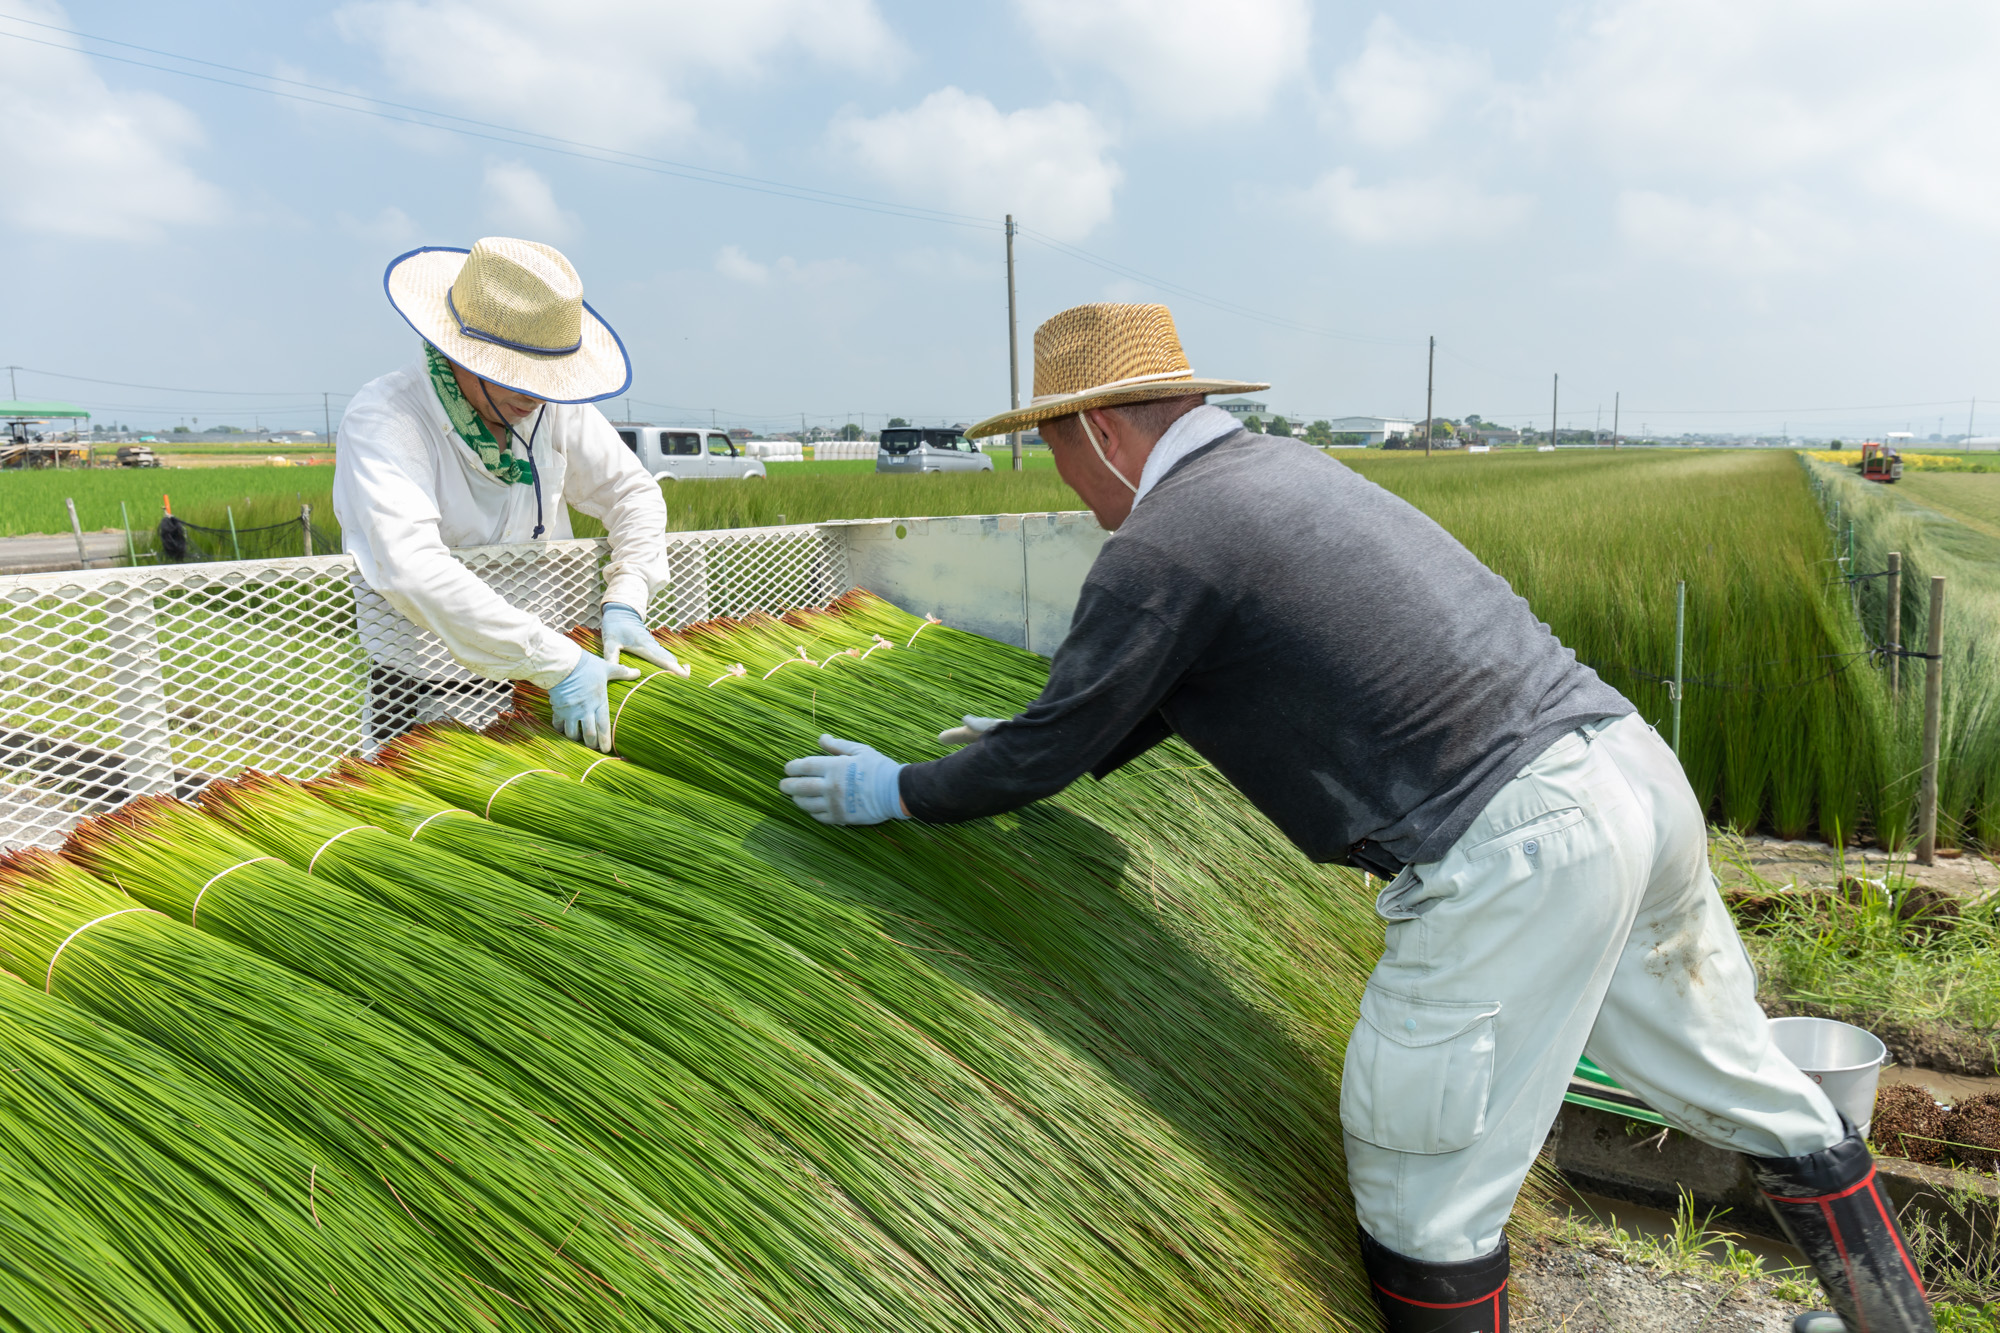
(1295, 939)
(698, 1157)
(1129, 997)
(881, 1010)
(138, 1195)
(537, 1230)
(1021, 1230)
(1171, 935)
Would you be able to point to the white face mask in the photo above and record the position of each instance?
(1091, 435)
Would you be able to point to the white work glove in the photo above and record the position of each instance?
(580, 704)
(851, 784)
(623, 631)
(974, 728)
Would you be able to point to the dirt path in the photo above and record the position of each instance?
(1567, 1289)
(1802, 865)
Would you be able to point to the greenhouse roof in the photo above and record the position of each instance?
(19, 410)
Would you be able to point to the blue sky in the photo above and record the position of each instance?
(1738, 214)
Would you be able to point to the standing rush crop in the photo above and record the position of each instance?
(534, 1221)
(699, 1158)
(1782, 720)
(1015, 1236)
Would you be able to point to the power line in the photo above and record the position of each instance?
(170, 388)
(426, 118)
(719, 175)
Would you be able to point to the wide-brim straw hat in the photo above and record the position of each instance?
(511, 312)
(1105, 356)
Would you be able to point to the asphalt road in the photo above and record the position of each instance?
(28, 555)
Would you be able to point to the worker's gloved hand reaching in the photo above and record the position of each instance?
(850, 784)
(623, 631)
(580, 704)
(974, 728)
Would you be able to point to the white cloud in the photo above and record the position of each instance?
(733, 263)
(1411, 210)
(617, 72)
(1772, 233)
(84, 159)
(519, 202)
(1889, 104)
(1398, 91)
(1049, 165)
(1186, 61)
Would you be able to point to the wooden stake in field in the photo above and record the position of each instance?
(82, 553)
(1895, 635)
(1933, 696)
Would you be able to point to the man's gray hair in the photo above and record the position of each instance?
(1151, 417)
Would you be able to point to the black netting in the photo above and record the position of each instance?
(182, 542)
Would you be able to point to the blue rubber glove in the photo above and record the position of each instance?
(623, 631)
(851, 784)
(580, 705)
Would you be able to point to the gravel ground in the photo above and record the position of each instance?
(1572, 1289)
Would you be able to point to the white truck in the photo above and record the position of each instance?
(686, 453)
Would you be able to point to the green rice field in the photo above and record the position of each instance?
(32, 501)
(1786, 724)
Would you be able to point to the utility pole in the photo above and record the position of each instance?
(1614, 420)
(326, 410)
(1013, 345)
(1430, 382)
(13, 391)
(1970, 412)
(1555, 396)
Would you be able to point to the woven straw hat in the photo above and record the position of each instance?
(511, 312)
(1105, 356)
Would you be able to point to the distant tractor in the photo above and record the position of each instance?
(1880, 462)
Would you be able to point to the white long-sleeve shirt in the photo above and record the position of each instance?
(407, 490)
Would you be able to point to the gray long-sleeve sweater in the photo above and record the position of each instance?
(1357, 673)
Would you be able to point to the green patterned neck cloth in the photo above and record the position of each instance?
(471, 427)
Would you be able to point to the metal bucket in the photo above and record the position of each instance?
(1843, 1059)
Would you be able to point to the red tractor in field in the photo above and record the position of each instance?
(1880, 462)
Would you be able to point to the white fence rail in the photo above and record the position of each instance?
(123, 682)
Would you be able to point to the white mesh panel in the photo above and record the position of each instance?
(116, 683)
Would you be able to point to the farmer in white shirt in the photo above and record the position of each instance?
(490, 438)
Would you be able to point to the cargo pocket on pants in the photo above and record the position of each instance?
(1418, 1073)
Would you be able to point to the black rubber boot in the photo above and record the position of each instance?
(1830, 1206)
(1419, 1297)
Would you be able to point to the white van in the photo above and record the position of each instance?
(929, 449)
(686, 453)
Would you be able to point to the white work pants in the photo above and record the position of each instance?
(1576, 916)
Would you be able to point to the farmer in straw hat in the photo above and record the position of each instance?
(1391, 704)
(490, 438)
